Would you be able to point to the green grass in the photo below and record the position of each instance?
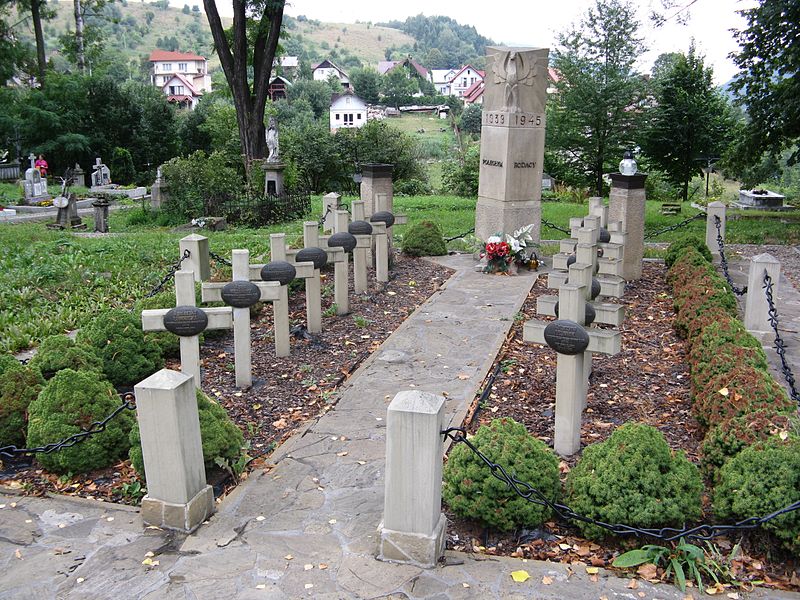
(51, 281)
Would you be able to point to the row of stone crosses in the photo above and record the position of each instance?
(589, 265)
(252, 283)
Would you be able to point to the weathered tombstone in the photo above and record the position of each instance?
(571, 341)
(101, 176)
(35, 186)
(512, 141)
(158, 191)
(100, 216)
(187, 321)
(78, 176)
(241, 294)
(178, 496)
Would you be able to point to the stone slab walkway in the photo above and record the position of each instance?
(306, 528)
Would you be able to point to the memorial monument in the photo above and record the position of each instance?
(512, 141)
(273, 167)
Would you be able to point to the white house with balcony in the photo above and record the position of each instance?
(182, 76)
(464, 79)
(326, 68)
(347, 110)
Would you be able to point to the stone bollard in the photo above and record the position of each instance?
(379, 232)
(330, 204)
(198, 261)
(715, 209)
(413, 527)
(627, 204)
(177, 494)
(756, 308)
(100, 216)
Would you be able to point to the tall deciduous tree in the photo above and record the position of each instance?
(598, 94)
(251, 42)
(367, 84)
(768, 84)
(690, 120)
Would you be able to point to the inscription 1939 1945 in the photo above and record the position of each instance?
(505, 119)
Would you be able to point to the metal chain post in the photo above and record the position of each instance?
(458, 237)
(170, 274)
(676, 226)
(547, 223)
(780, 345)
(724, 261)
(219, 258)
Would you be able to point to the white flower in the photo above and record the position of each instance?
(493, 239)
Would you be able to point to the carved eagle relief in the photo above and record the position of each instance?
(512, 69)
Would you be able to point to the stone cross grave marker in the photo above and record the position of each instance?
(570, 340)
(101, 175)
(187, 321)
(241, 294)
(512, 141)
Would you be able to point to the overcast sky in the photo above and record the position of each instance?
(535, 23)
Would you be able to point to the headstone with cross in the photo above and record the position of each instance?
(101, 175)
(241, 294)
(35, 187)
(568, 337)
(187, 321)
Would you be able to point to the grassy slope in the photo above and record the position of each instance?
(365, 41)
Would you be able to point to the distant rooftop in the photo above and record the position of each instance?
(169, 55)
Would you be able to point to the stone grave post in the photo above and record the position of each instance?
(341, 268)
(336, 247)
(331, 202)
(198, 260)
(626, 204)
(100, 215)
(715, 209)
(756, 308)
(598, 209)
(570, 340)
(187, 321)
(512, 141)
(241, 294)
(362, 230)
(178, 496)
(376, 178)
(413, 527)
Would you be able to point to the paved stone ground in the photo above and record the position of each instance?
(308, 526)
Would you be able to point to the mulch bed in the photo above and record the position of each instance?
(647, 382)
(286, 392)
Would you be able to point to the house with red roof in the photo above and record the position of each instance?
(464, 79)
(182, 76)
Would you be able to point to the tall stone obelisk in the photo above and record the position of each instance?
(512, 141)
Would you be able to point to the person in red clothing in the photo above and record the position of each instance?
(42, 165)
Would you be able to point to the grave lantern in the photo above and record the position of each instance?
(627, 165)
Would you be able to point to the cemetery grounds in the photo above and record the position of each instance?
(52, 282)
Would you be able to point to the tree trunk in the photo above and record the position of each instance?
(37, 30)
(79, 36)
(685, 192)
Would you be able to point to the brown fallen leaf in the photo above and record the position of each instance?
(546, 580)
(633, 585)
(648, 572)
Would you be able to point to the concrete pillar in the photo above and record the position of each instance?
(277, 246)
(626, 204)
(313, 284)
(413, 525)
(570, 378)
(280, 309)
(381, 252)
(198, 261)
(243, 360)
(756, 308)
(376, 178)
(341, 269)
(330, 204)
(358, 210)
(363, 243)
(100, 216)
(715, 209)
(310, 234)
(177, 494)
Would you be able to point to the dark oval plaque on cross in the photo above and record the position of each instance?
(383, 216)
(595, 288)
(589, 316)
(571, 260)
(359, 228)
(318, 256)
(344, 240)
(278, 270)
(604, 236)
(240, 294)
(566, 337)
(186, 321)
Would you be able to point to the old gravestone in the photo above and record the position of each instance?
(101, 175)
(512, 141)
(35, 186)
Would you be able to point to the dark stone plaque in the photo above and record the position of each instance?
(186, 321)
(571, 260)
(318, 256)
(566, 337)
(241, 294)
(383, 216)
(278, 270)
(359, 228)
(595, 288)
(589, 316)
(604, 236)
(344, 240)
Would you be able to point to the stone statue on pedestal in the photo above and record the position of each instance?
(273, 145)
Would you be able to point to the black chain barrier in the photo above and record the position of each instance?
(93, 429)
(547, 223)
(170, 274)
(676, 226)
(780, 345)
(723, 261)
(704, 531)
(460, 236)
(220, 259)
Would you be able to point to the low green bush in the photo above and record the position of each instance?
(727, 439)
(58, 352)
(168, 343)
(679, 247)
(725, 360)
(7, 361)
(424, 239)
(19, 386)
(726, 332)
(412, 187)
(117, 337)
(742, 390)
(69, 403)
(222, 440)
(633, 477)
(471, 491)
(758, 481)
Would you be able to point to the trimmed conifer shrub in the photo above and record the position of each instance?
(7, 361)
(19, 386)
(58, 352)
(686, 244)
(424, 239)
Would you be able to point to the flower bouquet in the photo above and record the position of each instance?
(505, 253)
